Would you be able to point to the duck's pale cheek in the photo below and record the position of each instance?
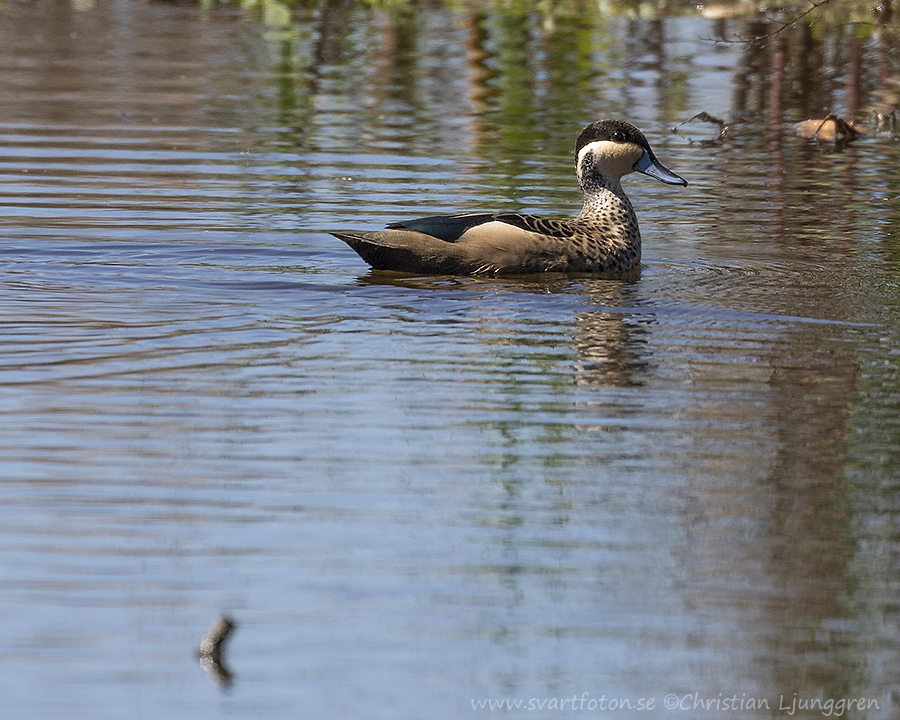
(613, 159)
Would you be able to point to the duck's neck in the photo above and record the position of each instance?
(602, 191)
(607, 205)
(609, 219)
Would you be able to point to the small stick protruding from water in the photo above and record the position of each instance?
(212, 649)
(706, 118)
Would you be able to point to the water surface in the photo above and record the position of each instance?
(415, 493)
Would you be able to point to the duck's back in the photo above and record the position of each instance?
(490, 246)
(499, 243)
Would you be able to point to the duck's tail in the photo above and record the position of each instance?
(406, 251)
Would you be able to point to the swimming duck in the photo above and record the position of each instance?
(603, 238)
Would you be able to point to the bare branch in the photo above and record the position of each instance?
(814, 5)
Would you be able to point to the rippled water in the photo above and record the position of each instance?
(411, 493)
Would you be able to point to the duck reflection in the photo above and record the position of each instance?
(612, 344)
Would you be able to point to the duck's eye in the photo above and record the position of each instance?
(618, 136)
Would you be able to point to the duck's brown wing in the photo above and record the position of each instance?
(535, 224)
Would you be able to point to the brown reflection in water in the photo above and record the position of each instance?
(610, 344)
(810, 381)
(814, 387)
(393, 58)
(886, 97)
(782, 78)
(783, 480)
(791, 74)
(776, 150)
(803, 385)
(852, 77)
(110, 67)
(533, 82)
(671, 90)
(812, 94)
(776, 91)
(481, 76)
(610, 351)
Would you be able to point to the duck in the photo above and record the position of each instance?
(603, 238)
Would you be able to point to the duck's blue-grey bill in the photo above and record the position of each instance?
(649, 165)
